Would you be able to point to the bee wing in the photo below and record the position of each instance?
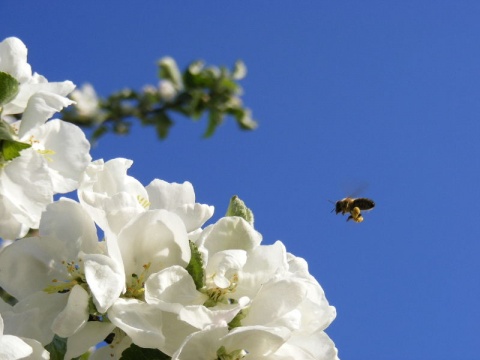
(355, 188)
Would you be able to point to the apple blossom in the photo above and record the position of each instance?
(60, 278)
(112, 197)
(13, 61)
(86, 100)
(45, 157)
(13, 347)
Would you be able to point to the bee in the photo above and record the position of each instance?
(353, 207)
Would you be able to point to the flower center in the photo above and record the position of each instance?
(75, 277)
(233, 355)
(220, 295)
(136, 289)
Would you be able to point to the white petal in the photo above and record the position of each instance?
(33, 316)
(169, 196)
(110, 195)
(141, 321)
(275, 300)
(256, 340)
(74, 315)
(201, 345)
(105, 278)
(68, 154)
(202, 317)
(72, 228)
(157, 237)
(90, 335)
(229, 233)
(40, 107)
(194, 215)
(26, 267)
(26, 184)
(10, 227)
(318, 345)
(38, 353)
(13, 348)
(13, 59)
(173, 285)
(180, 199)
(224, 263)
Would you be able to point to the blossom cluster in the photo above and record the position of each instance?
(136, 266)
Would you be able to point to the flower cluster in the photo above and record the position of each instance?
(37, 158)
(136, 266)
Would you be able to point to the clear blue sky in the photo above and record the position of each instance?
(384, 93)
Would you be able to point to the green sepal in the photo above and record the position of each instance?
(11, 149)
(6, 131)
(237, 320)
(57, 348)
(195, 266)
(238, 208)
(9, 87)
(135, 352)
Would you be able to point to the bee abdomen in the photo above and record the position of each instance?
(363, 203)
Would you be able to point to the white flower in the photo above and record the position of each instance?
(50, 95)
(13, 347)
(86, 100)
(113, 198)
(54, 276)
(58, 153)
(255, 342)
(167, 90)
(281, 291)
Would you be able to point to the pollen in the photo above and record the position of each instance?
(144, 202)
(220, 295)
(75, 277)
(136, 289)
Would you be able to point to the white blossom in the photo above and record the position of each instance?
(13, 347)
(86, 100)
(58, 153)
(13, 60)
(112, 197)
(55, 275)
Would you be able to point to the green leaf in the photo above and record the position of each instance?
(6, 131)
(195, 266)
(215, 118)
(57, 348)
(135, 352)
(238, 208)
(8, 88)
(11, 149)
(163, 125)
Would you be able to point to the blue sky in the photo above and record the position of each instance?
(347, 93)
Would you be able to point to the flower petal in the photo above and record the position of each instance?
(74, 316)
(141, 321)
(68, 153)
(105, 278)
(90, 335)
(40, 107)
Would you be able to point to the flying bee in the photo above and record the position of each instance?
(353, 207)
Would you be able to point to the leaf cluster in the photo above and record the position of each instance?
(196, 92)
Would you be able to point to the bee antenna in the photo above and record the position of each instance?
(334, 203)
